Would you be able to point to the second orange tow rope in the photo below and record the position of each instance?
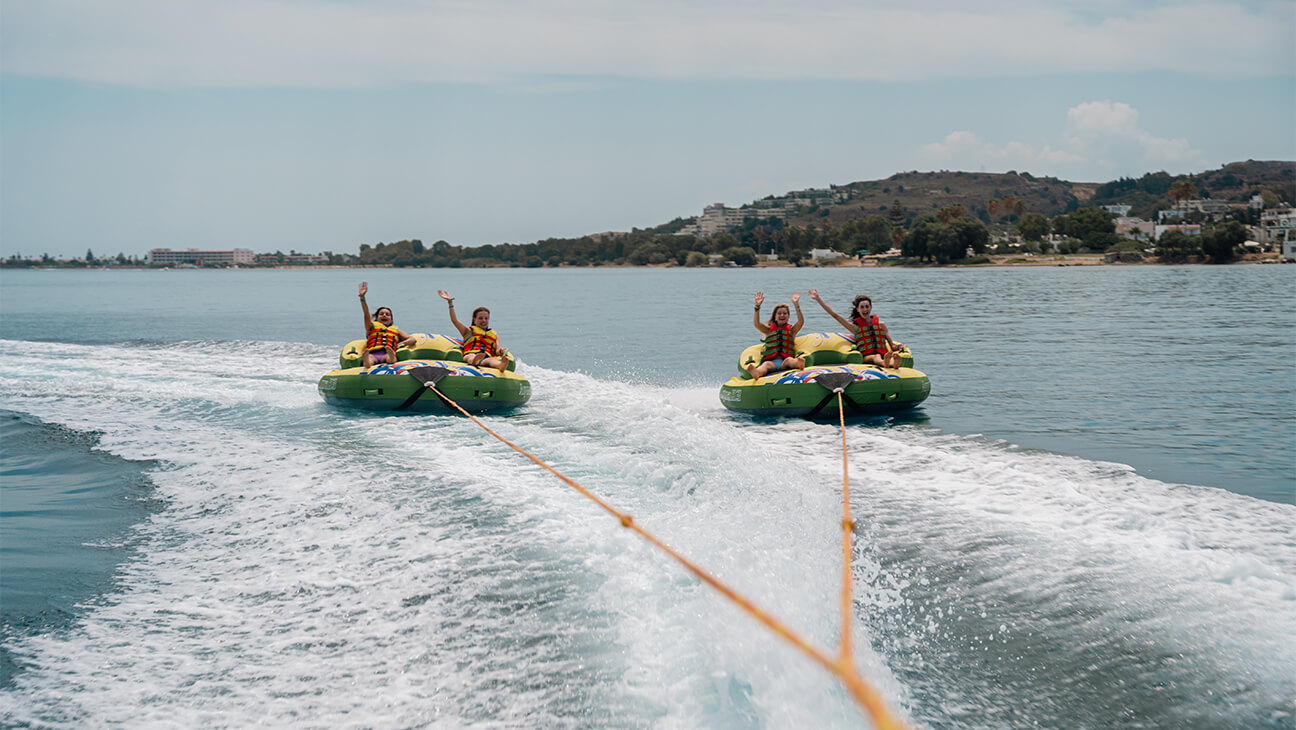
(842, 666)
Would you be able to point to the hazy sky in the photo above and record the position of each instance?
(310, 125)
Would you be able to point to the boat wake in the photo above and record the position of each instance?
(315, 566)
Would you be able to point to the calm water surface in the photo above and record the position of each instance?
(1088, 524)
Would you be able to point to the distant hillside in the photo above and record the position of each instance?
(1240, 180)
(1235, 182)
(924, 193)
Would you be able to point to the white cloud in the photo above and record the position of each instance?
(1101, 136)
(1102, 118)
(348, 44)
(1106, 131)
(965, 150)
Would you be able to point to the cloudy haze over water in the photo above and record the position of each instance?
(324, 125)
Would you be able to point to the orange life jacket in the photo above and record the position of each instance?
(779, 343)
(382, 337)
(869, 340)
(481, 340)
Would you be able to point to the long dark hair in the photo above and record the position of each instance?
(855, 304)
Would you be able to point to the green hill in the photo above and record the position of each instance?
(923, 193)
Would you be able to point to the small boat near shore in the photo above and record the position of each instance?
(433, 360)
(831, 363)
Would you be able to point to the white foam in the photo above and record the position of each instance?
(1202, 574)
(315, 566)
(319, 567)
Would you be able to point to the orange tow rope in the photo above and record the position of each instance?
(842, 666)
(846, 670)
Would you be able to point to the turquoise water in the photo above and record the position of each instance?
(1088, 524)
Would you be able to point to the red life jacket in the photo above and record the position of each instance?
(779, 343)
(869, 340)
(380, 337)
(481, 340)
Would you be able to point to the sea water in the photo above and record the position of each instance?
(1088, 524)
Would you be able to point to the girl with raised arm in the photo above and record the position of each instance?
(872, 338)
(780, 338)
(480, 343)
(381, 336)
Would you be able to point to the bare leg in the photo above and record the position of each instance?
(794, 363)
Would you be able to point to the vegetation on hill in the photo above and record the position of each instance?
(995, 198)
(1235, 182)
(930, 216)
(988, 197)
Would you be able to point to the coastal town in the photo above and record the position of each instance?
(1239, 214)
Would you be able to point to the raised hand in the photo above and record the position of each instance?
(364, 288)
(796, 297)
(814, 294)
(760, 299)
(444, 295)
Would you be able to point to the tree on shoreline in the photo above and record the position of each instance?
(1176, 247)
(1033, 226)
(945, 242)
(1220, 242)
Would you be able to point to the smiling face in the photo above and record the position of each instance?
(383, 316)
(481, 318)
(781, 314)
(863, 306)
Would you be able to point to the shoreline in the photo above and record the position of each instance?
(1001, 261)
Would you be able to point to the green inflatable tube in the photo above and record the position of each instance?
(403, 387)
(869, 389)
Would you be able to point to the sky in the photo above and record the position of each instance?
(320, 126)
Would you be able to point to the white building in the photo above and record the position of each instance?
(1118, 210)
(165, 256)
(719, 218)
(716, 218)
(1206, 205)
(1278, 229)
(758, 210)
(815, 196)
(823, 254)
(305, 259)
(689, 229)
